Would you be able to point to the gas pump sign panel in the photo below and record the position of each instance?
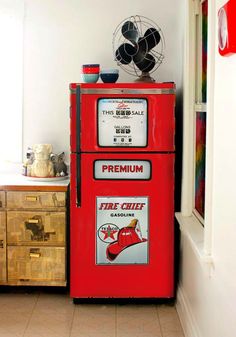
(122, 169)
(122, 230)
(122, 122)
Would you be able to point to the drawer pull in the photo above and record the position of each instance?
(0, 203)
(35, 255)
(1, 244)
(34, 252)
(33, 220)
(31, 198)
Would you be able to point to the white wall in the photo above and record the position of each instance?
(62, 35)
(11, 70)
(207, 300)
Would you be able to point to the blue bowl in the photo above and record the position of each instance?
(90, 78)
(109, 77)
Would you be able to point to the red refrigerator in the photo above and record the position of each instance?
(122, 190)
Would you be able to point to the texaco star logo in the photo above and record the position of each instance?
(108, 232)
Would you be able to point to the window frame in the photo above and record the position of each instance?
(199, 104)
(189, 221)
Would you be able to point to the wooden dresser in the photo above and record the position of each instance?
(32, 232)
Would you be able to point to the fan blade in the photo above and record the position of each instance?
(125, 53)
(139, 57)
(142, 45)
(130, 31)
(145, 62)
(151, 38)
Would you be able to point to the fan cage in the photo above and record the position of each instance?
(141, 23)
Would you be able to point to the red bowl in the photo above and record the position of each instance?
(93, 68)
(90, 70)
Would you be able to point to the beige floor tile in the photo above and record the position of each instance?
(169, 321)
(137, 321)
(94, 321)
(173, 334)
(54, 304)
(142, 309)
(51, 317)
(17, 303)
(49, 325)
(13, 324)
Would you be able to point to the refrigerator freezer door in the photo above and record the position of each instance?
(122, 117)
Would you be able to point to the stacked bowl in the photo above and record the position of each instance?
(90, 73)
(109, 75)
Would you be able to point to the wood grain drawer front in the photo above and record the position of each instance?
(3, 247)
(34, 200)
(39, 264)
(36, 227)
(2, 199)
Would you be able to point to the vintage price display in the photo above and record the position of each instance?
(122, 230)
(122, 122)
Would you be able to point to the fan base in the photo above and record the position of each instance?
(145, 77)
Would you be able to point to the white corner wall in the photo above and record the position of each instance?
(207, 292)
(62, 35)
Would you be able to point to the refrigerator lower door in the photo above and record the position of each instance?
(122, 227)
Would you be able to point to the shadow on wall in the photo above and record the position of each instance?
(178, 148)
(178, 179)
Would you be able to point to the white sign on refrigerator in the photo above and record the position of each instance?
(122, 227)
(122, 169)
(122, 122)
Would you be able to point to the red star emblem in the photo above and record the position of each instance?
(109, 233)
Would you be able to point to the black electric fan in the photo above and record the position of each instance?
(138, 47)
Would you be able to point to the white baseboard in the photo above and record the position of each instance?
(186, 317)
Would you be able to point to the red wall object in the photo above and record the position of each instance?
(227, 28)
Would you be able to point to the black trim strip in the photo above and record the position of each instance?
(78, 112)
(78, 180)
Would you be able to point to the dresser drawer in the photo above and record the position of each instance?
(36, 227)
(2, 247)
(36, 264)
(34, 200)
(2, 199)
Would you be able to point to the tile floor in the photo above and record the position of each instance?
(45, 314)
